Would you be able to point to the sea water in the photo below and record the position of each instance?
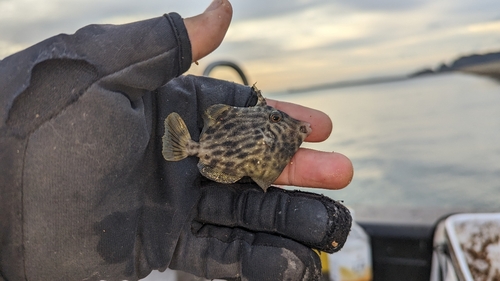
(431, 141)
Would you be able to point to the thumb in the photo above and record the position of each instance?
(207, 29)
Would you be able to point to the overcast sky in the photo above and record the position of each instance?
(293, 43)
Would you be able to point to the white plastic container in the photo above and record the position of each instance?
(354, 261)
(474, 243)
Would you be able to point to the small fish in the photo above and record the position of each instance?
(235, 142)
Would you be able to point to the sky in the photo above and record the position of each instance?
(290, 44)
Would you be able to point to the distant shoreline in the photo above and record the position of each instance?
(491, 69)
(477, 64)
(348, 83)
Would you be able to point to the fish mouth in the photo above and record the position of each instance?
(305, 128)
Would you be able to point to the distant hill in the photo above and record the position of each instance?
(475, 59)
(483, 64)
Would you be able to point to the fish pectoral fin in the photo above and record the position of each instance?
(176, 138)
(264, 184)
(215, 175)
(214, 112)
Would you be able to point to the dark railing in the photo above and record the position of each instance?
(230, 64)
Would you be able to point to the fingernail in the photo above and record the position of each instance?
(214, 5)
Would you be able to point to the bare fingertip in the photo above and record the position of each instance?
(343, 171)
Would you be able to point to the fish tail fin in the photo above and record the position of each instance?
(176, 138)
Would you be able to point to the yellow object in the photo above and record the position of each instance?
(324, 262)
(353, 262)
(347, 274)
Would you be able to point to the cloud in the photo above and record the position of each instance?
(383, 5)
(26, 22)
(258, 9)
(292, 43)
(309, 28)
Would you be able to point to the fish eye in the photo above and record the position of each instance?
(275, 116)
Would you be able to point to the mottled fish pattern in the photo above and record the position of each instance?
(235, 142)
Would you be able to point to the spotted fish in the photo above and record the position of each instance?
(257, 142)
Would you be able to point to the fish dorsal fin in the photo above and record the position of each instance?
(214, 112)
(176, 138)
(261, 101)
(215, 175)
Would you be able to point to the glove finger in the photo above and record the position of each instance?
(236, 254)
(314, 220)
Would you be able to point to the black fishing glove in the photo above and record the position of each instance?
(238, 230)
(86, 193)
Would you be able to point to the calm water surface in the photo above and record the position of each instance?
(431, 141)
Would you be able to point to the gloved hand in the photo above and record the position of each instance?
(238, 230)
(86, 194)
